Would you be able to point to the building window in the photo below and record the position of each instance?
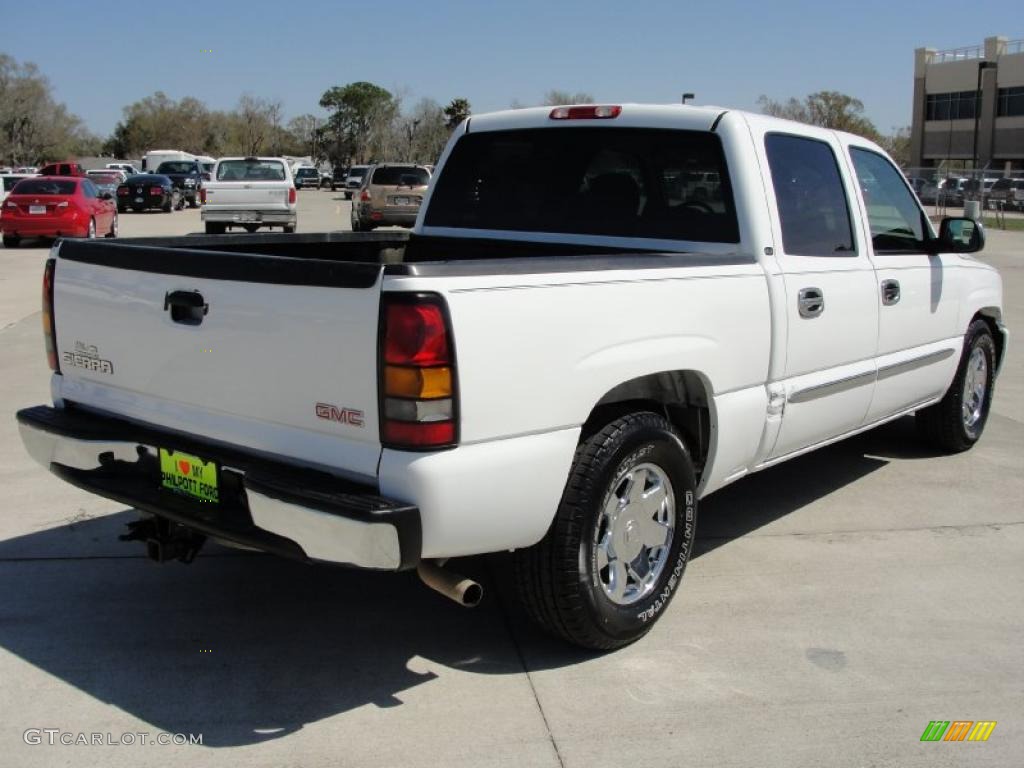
(1010, 102)
(951, 106)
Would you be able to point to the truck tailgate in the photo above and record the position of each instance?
(283, 359)
(265, 195)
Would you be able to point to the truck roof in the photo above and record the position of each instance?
(675, 116)
(632, 116)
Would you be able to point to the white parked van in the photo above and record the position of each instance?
(151, 160)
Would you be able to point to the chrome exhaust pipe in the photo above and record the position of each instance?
(463, 591)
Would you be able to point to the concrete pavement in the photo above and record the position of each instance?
(837, 604)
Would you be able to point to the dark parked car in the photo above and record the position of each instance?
(338, 176)
(186, 175)
(307, 176)
(1009, 193)
(149, 190)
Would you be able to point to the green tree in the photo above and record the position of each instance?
(456, 111)
(828, 109)
(361, 120)
(34, 127)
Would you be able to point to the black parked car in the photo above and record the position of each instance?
(149, 190)
(187, 176)
(338, 176)
(307, 176)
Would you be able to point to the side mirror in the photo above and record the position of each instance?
(960, 235)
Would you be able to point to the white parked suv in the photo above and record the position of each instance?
(249, 192)
(567, 354)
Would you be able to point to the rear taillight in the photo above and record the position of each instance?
(122, 192)
(365, 196)
(156, 190)
(293, 195)
(202, 195)
(417, 378)
(49, 327)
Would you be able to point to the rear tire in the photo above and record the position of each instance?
(215, 229)
(11, 241)
(288, 230)
(956, 422)
(631, 483)
(113, 228)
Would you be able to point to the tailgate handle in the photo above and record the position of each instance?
(187, 307)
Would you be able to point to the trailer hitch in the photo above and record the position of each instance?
(165, 540)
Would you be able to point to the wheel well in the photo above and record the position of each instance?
(991, 316)
(680, 396)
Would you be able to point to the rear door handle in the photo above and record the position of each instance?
(890, 292)
(187, 307)
(811, 302)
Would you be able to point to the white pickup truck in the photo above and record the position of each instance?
(571, 349)
(249, 192)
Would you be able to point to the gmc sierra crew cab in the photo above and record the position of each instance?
(573, 347)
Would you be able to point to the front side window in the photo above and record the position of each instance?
(897, 223)
(813, 209)
(616, 182)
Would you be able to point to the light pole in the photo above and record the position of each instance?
(687, 96)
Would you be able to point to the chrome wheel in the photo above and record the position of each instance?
(91, 234)
(113, 227)
(634, 533)
(975, 387)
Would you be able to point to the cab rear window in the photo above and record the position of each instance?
(394, 175)
(622, 182)
(250, 170)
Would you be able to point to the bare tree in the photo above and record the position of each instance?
(555, 97)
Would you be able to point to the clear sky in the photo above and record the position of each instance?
(101, 55)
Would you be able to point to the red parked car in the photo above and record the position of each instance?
(66, 168)
(56, 206)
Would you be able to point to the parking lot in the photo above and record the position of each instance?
(836, 605)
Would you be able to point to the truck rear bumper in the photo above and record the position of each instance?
(250, 217)
(265, 504)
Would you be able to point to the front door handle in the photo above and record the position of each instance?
(890, 292)
(811, 302)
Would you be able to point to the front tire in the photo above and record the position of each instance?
(621, 538)
(90, 233)
(113, 227)
(955, 423)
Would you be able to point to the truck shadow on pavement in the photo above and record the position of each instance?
(246, 648)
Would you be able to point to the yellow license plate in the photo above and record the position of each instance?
(188, 475)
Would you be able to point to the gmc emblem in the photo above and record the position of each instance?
(348, 416)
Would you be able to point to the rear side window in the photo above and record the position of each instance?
(44, 187)
(813, 209)
(404, 175)
(250, 170)
(619, 182)
(88, 190)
